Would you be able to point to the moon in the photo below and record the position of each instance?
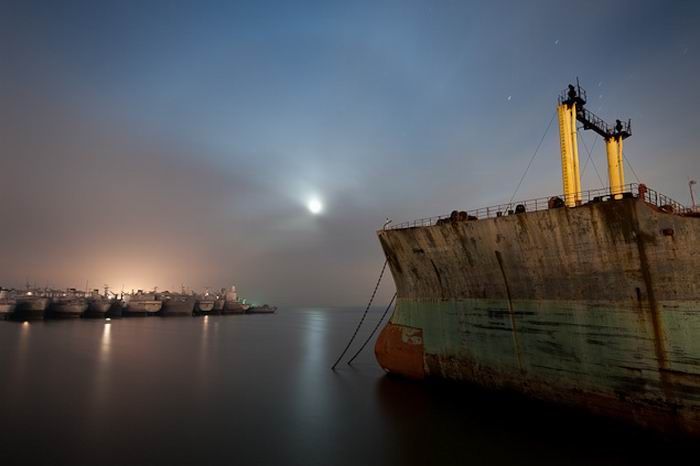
(315, 206)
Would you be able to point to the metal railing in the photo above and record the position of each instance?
(580, 94)
(633, 190)
(591, 121)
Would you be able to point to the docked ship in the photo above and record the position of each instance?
(205, 303)
(7, 304)
(30, 305)
(589, 299)
(233, 304)
(68, 304)
(219, 303)
(264, 309)
(100, 305)
(118, 307)
(143, 304)
(177, 304)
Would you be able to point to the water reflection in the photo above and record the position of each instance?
(105, 345)
(20, 352)
(101, 390)
(204, 357)
(311, 402)
(258, 390)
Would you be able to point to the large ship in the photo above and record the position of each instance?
(590, 299)
(30, 304)
(100, 305)
(233, 304)
(177, 304)
(205, 303)
(68, 304)
(143, 303)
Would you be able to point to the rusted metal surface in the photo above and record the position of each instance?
(399, 349)
(640, 191)
(595, 306)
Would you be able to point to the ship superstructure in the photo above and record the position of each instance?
(234, 304)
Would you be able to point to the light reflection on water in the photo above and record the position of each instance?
(257, 389)
(20, 352)
(106, 337)
(98, 393)
(204, 358)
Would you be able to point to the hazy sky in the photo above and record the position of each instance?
(163, 143)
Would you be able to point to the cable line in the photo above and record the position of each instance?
(531, 160)
(376, 287)
(374, 330)
(590, 152)
(631, 168)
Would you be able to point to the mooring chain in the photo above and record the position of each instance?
(376, 327)
(376, 287)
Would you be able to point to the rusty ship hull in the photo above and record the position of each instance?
(596, 306)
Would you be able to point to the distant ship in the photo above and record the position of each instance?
(219, 303)
(31, 304)
(67, 304)
(177, 304)
(589, 299)
(7, 304)
(143, 303)
(118, 307)
(232, 303)
(100, 305)
(205, 303)
(264, 309)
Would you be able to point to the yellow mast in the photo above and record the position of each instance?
(570, 110)
(616, 169)
(571, 178)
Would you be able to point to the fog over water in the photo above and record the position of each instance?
(179, 142)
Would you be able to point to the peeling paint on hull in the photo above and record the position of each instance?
(594, 306)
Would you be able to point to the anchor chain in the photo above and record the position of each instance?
(376, 327)
(371, 299)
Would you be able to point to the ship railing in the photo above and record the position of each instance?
(633, 190)
(580, 94)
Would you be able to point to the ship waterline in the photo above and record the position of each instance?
(7, 304)
(595, 306)
(144, 306)
(205, 306)
(99, 307)
(68, 308)
(6, 309)
(178, 305)
(29, 307)
(234, 307)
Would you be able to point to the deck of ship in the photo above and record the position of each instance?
(637, 190)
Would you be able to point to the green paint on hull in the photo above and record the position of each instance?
(593, 306)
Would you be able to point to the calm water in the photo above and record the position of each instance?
(257, 389)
